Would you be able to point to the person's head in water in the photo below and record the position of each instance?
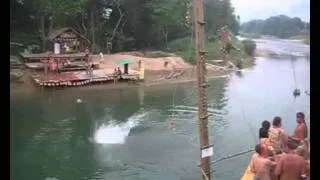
(265, 124)
(276, 121)
(79, 100)
(264, 133)
(300, 117)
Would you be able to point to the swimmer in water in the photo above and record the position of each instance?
(79, 100)
(172, 125)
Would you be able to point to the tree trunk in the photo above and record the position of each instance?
(43, 32)
(92, 31)
(165, 36)
(50, 29)
(83, 24)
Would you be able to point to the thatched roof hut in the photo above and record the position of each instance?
(71, 37)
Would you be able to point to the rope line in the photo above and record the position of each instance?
(173, 99)
(231, 156)
(255, 139)
(294, 73)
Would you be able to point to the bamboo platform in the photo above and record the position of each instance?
(28, 57)
(70, 79)
(74, 66)
(45, 55)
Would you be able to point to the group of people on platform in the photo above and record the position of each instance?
(56, 66)
(279, 156)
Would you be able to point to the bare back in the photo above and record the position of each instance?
(276, 137)
(290, 167)
(261, 167)
(254, 156)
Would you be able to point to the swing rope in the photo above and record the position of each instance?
(173, 100)
(191, 48)
(232, 156)
(254, 138)
(294, 74)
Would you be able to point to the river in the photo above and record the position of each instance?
(123, 134)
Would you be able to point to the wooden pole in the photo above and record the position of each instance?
(198, 18)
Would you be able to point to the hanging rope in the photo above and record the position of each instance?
(173, 99)
(294, 74)
(232, 156)
(296, 91)
(255, 139)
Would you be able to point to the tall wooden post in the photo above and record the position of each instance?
(198, 18)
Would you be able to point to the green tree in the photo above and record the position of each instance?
(280, 26)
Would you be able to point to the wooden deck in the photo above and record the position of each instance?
(74, 66)
(27, 57)
(78, 78)
(45, 55)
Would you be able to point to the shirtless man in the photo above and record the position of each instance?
(249, 171)
(87, 54)
(265, 125)
(172, 125)
(264, 139)
(291, 166)
(255, 155)
(301, 151)
(276, 134)
(262, 165)
(277, 158)
(301, 131)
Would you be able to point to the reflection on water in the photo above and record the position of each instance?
(123, 134)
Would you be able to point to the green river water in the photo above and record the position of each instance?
(123, 134)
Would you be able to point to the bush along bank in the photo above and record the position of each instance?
(185, 48)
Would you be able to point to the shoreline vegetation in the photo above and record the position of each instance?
(127, 26)
(153, 76)
(277, 27)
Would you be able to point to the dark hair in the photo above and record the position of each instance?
(265, 124)
(300, 115)
(292, 145)
(276, 121)
(278, 151)
(257, 148)
(263, 133)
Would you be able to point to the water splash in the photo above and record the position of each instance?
(51, 178)
(116, 134)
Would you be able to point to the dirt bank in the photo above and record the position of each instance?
(153, 78)
(109, 62)
(155, 72)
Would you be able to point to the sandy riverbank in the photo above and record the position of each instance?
(156, 69)
(153, 79)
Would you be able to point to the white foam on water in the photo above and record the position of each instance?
(116, 134)
(51, 178)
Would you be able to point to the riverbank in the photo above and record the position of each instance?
(158, 66)
(152, 79)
